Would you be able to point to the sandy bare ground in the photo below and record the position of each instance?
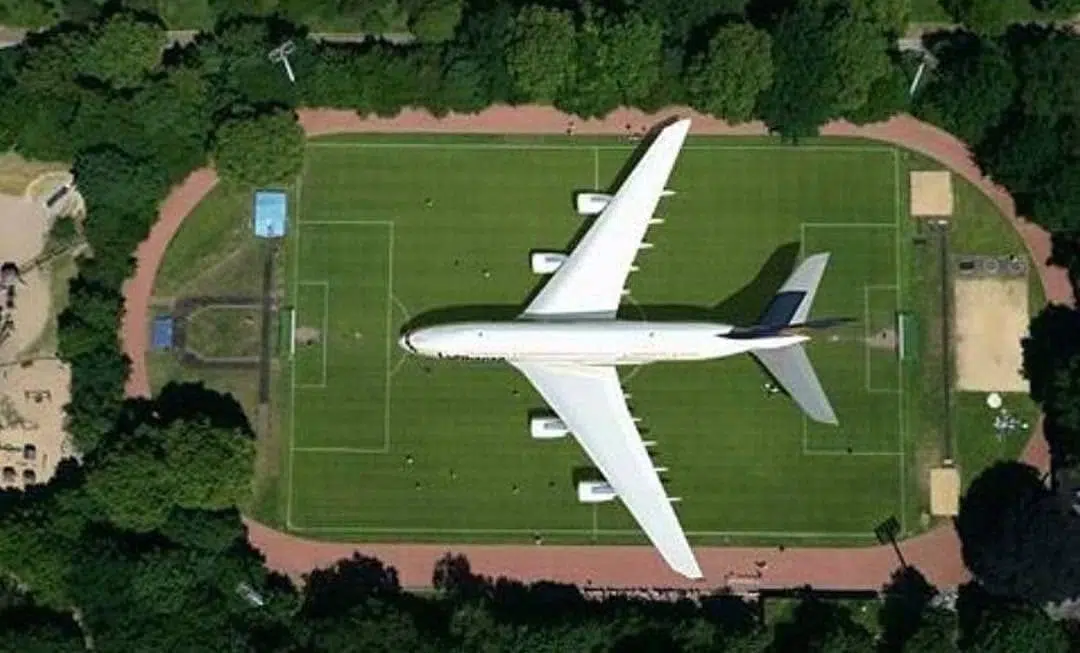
(32, 437)
(936, 553)
(931, 193)
(16, 173)
(991, 319)
(23, 227)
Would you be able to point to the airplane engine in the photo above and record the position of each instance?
(590, 204)
(595, 492)
(546, 262)
(547, 428)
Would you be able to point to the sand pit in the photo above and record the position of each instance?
(945, 492)
(30, 314)
(931, 193)
(991, 316)
(23, 228)
(32, 437)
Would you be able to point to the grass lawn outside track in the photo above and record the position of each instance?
(367, 255)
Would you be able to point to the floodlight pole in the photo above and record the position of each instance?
(281, 54)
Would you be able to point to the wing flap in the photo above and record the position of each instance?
(589, 400)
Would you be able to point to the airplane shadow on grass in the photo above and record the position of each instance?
(741, 308)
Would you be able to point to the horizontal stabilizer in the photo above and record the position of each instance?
(791, 367)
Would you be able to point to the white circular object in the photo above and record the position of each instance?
(993, 400)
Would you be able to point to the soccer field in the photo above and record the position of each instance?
(382, 445)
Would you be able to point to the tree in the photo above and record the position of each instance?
(727, 79)
(1042, 60)
(1008, 628)
(541, 53)
(826, 60)
(141, 477)
(936, 633)
(1055, 200)
(989, 17)
(632, 55)
(124, 48)
(435, 21)
(820, 627)
(1016, 537)
(34, 629)
(262, 150)
(971, 90)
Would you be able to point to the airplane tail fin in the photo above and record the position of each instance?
(790, 366)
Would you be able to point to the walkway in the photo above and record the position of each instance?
(936, 554)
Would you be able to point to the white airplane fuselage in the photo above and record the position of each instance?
(591, 342)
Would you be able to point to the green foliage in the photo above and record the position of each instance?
(63, 233)
(124, 49)
(262, 150)
(826, 59)
(541, 54)
(142, 476)
(989, 17)
(971, 89)
(1016, 537)
(618, 61)
(435, 21)
(1043, 61)
(727, 79)
(34, 629)
(1001, 627)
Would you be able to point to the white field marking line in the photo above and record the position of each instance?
(325, 331)
(293, 449)
(806, 449)
(404, 354)
(355, 222)
(389, 337)
(900, 423)
(581, 532)
(292, 360)
(867, 291)
(596, 168)
(571, 146)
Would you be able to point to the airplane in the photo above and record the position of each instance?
(568, 342)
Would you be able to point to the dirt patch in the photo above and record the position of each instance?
(931, 193)
(28, 314)
(307, 335)
(23, 228)
(991, 318)
(32, 437)
(16, 173)
(945, 492)
(883, 339)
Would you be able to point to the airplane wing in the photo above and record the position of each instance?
(590, 401)
(591, 279)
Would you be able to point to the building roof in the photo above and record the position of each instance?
(162, 333)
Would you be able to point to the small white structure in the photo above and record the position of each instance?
(595, 492)
(589, 204)
(546, 262)
(547, 428)
(280, 54)
(993, 400)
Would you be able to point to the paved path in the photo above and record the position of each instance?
(936, 553)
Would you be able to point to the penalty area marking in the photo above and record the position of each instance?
(322, 335)
(293, 386)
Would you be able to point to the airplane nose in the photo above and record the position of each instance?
(405, 344)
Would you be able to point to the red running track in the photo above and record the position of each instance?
(936, 553)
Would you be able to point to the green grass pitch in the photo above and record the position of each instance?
(366, 254)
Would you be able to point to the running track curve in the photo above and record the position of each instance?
(936, 553)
